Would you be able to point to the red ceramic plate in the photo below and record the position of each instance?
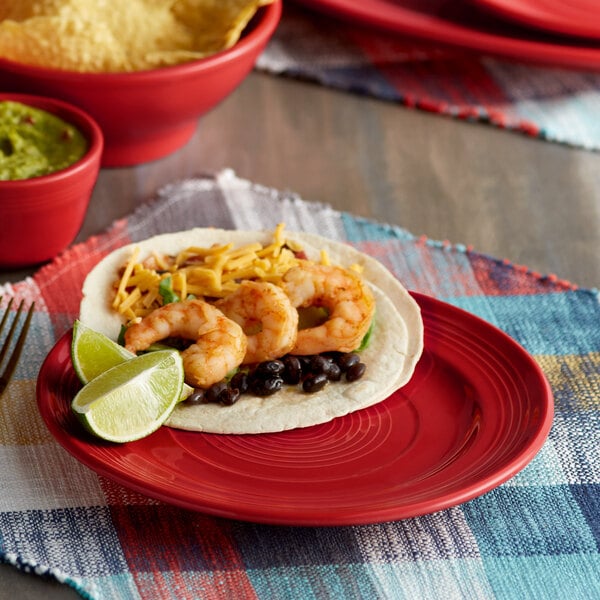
(579, 18)
(458, 23)
(476, 411)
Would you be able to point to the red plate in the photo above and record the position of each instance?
(458, 24)
(579, 18)
(476, 411)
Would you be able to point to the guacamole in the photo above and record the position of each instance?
(34, 142)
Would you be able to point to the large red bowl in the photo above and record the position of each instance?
(148, 114)
(41, 216)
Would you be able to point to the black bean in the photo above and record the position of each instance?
(213, 392)
(347, 360)
(305, 362)
(239, 382)
(270, 368)
(315, 382)
(196, 397)
(293, 370)
(319, 364)
(356, 371)
(266, 387)
(334, 373)
(229, 396)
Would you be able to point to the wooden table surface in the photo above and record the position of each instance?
(507, 195)
(533, 202)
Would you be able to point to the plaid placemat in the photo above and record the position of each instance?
(536, 536)
(555, 104)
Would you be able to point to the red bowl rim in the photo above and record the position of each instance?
(269, 18)
(73, 115)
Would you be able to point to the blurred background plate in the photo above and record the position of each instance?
(578, 18)
(460, 24)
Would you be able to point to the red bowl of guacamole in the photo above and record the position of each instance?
(50, 154)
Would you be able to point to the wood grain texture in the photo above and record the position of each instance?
(507, 195)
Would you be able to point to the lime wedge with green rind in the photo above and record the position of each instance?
(93, 353)
(133, 399)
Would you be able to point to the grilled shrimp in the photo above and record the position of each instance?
(346, 297)
(219, 343)
(266, 316)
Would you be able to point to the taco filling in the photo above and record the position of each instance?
(275, 331)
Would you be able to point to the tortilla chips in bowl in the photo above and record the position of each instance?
(391, 354)
(146, 70)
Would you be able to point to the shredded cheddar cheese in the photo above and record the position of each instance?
(200, 272)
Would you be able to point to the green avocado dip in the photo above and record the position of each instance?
(34, 142)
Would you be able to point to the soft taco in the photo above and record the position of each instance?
(395, 339)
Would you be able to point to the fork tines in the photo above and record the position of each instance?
(13, 357)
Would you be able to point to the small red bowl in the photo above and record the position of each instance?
(42, 215)
(145, 115)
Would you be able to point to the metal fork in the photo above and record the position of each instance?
(13, 359)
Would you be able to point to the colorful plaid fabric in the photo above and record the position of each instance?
(536, 536)
(554, 104)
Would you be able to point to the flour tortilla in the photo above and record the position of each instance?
(395, 347)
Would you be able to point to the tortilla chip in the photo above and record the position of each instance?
(215, 24)
(115, 36)
(61, 43)
(394, 350)
(19, 10)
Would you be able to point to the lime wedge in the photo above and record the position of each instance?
(93, 353)
(133, 399)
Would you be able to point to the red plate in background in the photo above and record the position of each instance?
(458, 23)
(578, 18)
